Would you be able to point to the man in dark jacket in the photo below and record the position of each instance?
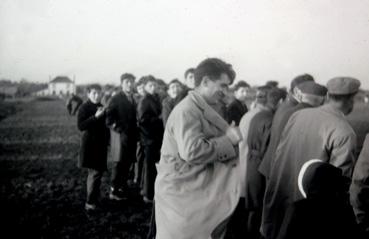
(94, 144)
(73, 100)
(121, 119)
(281, 116)
(174, 89)
(151, 133)
(237, 108)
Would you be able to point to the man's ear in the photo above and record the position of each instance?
(205, 81)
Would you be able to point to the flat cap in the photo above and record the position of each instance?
(343, 86)
(312, 88)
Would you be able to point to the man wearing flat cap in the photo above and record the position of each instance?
(315, 133)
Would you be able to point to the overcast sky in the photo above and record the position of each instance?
(98, 40)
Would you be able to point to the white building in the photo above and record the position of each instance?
(59, 86)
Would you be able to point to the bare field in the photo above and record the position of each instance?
(42, 191)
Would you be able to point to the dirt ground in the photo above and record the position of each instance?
(42, 192)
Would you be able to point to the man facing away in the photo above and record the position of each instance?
(314, 133)
(281, 116)
(197, 186)
(121, 119)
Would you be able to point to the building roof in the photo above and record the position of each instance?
(8, 90)
(61, 79)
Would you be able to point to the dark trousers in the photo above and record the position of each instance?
(120, 173)
(152, 155)
(140, 156)
(254, 223)
(93, 185)
(238, 221)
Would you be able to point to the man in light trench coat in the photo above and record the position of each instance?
(197, 186)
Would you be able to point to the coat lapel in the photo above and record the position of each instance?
(209, 113)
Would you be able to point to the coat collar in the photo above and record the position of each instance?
(209, 113)
(328, 108)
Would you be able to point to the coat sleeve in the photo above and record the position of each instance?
(359, 190)
(167, 108)
(194, 146)
(111, 113)
(343, 153)
(86, 119)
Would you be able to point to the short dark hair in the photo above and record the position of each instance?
(272, 83)
(240, 84)
(145, 79)
(188, 71)
(213, 68)
(128, 76)
(93, 87)
(174, 81)
(300, 79)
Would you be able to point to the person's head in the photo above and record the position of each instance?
(341, 93)
(311, 93)
(262, 94)
(140, 88)
(161, 88)
(149, 84)
(127, 81)
(318, 179)
(272, 83)
(174, 88)
(240, 90)
(298, 80)
(274, 97)
(189, 78)
(94, 93)
(212, 78)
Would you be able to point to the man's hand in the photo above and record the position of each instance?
(234, 133)
(100, 111)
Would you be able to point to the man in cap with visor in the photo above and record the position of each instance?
(322, 133)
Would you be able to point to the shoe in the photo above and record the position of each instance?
(90, 207)
(117, 195)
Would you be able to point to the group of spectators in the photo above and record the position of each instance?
(280, 167)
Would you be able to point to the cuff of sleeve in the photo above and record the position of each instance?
(225, 149)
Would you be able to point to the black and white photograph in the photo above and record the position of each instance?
(197, 119)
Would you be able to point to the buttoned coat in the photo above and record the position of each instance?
(197, 186)
(95, 135)
(121, 119)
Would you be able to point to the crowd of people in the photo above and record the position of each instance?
(215, 166)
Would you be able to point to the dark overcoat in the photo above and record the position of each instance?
(235, 110)
(150, 121)
(280, 120)
(95, 135)
(121, 119)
